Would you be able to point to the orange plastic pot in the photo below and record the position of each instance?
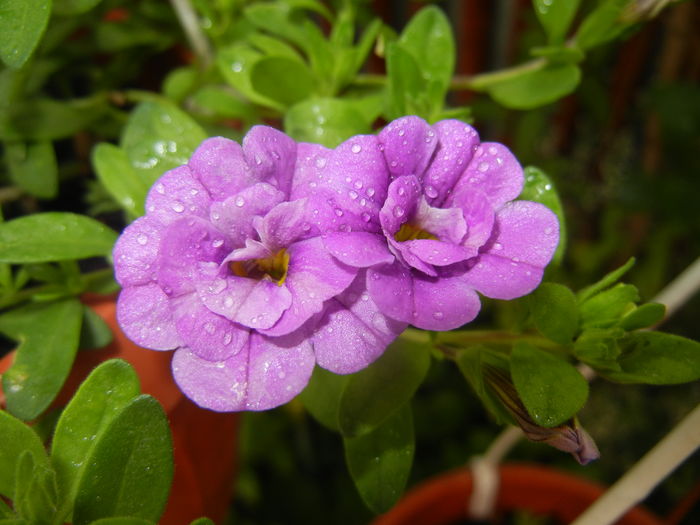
(539, 490)
(204, 442)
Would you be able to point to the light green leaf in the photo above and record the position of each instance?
(236, 63)
(608, 280)
(556, 17)
(282, 79)
(643, 316)
(555, 312)
(602, 25)
(180, 82)
(551, 389)
(54, 236)
(114, 170)
(326, 121)
(607, 307)
(321, 397)
(22, 23)
(47, 119)
(33, 167)
(131, 466)
(36, 492)
(16, 438)
(73, 7)
(108, 389)
(380, 462)
(49, 334)
(536, 87)
(599, 348)
(407, 87)
(159, 137)
(539, 188)
(94, 332)
(375, 393)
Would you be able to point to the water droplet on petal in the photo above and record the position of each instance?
(356, 148)
(497, 246)
(493, 150)
(483, 167)
(141, 239)
(438, 315)
(358, 184)
(227, 339)
(178, 207)
(401, 191)
(209, 328)
(431, 192)
(402, 132)
(338, 212)
(365, 216)
(239, 201)
(353, 194)
(320, 162)
(160, 189)
(548, 230)
(370, 192)
(228, 302)
(217, 243)
(398, 211)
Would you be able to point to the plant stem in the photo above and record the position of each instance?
(682, 288)
(639, 481)
(193, 31)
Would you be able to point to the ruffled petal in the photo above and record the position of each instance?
(136, 252)
(352, 332)
(401, 203)
(436, 253)
(271, 155)
(220, 166)
(408, 143)
(447, 224)
(358, 249)
(443, 303)
(175, 195)
(313, 277)
(456, 144)
(144, 314)
(284, 224)
(479, 216)
(390, 287)
(494, 171)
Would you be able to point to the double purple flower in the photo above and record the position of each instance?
(254, 263)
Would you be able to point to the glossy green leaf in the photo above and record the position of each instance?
(602, 25)
(36, 492)
(180, 82)
(599, 348)
(643, 316)
(282, 79)
(131, 466)
(108, 389)
(222, 102)
(47, 119)
(380, 461)
(54, 236)
(536, 87)
(159, 137)
(321, 397)
(73, 7)
(375, 393)
(122, 521)
(406, 85)
(49, 334)
(554, 311)
(606, 308)
(608, 280)
(15, 438)
(114, 170)
(326, 121)
(33, 167)
(94, 332)
(271, 46)
(22, 23)
(428, 38)
(236, 63)
(551, 389)
(556, 17)
(539, 188)
(657, 358)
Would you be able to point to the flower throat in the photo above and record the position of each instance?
(273, 268)
(410, 232)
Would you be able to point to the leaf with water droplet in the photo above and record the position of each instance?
(326, 121)
(121, 180)
(16, 438)
(556, 17)
(22, 23)
(540, 188)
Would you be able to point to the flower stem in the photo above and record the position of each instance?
(682, 288)
(639, 481)
(193, 31)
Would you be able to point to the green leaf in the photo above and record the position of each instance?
(539, 188)
(114, 171)
(180, 82)
(54, 236)
(428, 38)
(643, 316)
(380, 462)
(94, 332)
(36, 492)
(22, 23)
(272, 46)
(47, 119)
(5, 511)
(235, 64)
(559, 54)
(556, 17)
(73, 7)
(602, 25)
(326, 121)
(103, 395)
(599, 348)
(536, 87)
(282, 79)
(551, 389)
(606, 308)
(657, 358)
(608, 280)
(375, 393)
(15, 438)
(159, 137)
(123, 521)
(406, 86)
(222, 102)
(131, 466)
(33, 167)
(555, 312)
(49, 335)
(321, 397)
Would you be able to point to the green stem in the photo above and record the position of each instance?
(483, 81)
(193, 31)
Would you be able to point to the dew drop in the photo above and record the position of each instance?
(320, 162)
(497, 246)
(239, 201)
(217, 286)
(483, 167)
(338, 212)
(258, 160)
(438, 315)
(282, 375)
(227, 339)
(209, 328)
(365, 216)
(228, 302)
(493, 150)
(402, 132)
(178, 207)
(431, 192)
(160, 189)
(353, 194)
(217, 243)
(194, 192)
(370, 192)
(401, 191)
(141, 239)
(358, 184)
(547, 230)
(356, 148)
(398, 211)
(393, 164)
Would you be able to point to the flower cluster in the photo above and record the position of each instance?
(255, 262)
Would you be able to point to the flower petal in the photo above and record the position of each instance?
(177, 194)
(136, 252)
(479, 216)
(443, 303)
(390, 287)
(271, 155)
(145, 316)
(435, 253)
(220, 166)
(284, 224)
(358, 249)
(401, 204)
(352, 332)
(408, 143)
(493, 170)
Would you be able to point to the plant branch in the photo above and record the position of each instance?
(681, 289)
(193, 31)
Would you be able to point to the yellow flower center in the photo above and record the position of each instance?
(410, 232)
(273, 268)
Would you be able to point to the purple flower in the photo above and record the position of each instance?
(228, 268)
(443, 226)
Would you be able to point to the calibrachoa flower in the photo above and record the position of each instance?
(229, 269)
(443, 225)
